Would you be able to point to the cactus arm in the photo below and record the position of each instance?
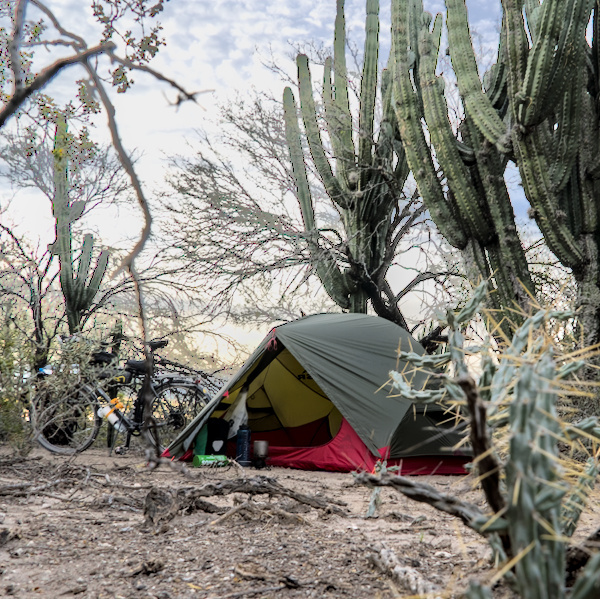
(533, 483)
(530, 150)
(96, 279)
(342, 102)
(477, 591)
(587, 152)
(577, 499)
(440, 130)
(465, 67)
(570, 54)
(565, 140)
(411, 132)
(595, 53)
(85, 260)
(534, 169)
(516, 47)
(368, 90)
(292, 135)
(532, 14)
(344, 155)
(334, 281)
(532, 95)
(507, 257)
(389, 142)
(311, 127)
(588, 585)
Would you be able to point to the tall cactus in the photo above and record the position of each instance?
(365, 181)
(538, 107)
(78, 288)
(472, 207)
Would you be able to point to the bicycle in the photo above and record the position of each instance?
(69, 422)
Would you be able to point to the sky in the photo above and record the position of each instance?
(219, 46)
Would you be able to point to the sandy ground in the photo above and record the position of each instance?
(106, 527)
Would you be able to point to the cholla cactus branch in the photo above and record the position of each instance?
(487, 463)
(539, 503)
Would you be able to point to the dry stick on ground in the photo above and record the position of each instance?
(262, 485)
(469, 513)
(24, 489)
(162, 505)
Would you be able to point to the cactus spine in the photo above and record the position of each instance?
(78, 288)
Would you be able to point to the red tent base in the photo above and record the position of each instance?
(347, 453)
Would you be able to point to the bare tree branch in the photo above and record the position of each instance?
(15, 46)
(127, 262)
(46, 75)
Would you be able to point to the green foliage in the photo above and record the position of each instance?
(14, 369)
(538, 493)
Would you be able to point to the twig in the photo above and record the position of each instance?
(184, 94)
(124, 159)
(46, 75)
(24, 489)
(470, 514)
(232, 512)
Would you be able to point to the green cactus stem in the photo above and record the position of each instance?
(80, 288)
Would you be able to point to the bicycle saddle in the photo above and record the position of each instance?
(136, 365)
(153, 345)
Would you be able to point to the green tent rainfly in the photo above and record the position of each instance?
(317, 392)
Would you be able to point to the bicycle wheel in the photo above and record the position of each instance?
(67, 424)
(173, 408)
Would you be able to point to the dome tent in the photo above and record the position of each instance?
(316, 392)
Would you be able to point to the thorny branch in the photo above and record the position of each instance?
(487, 463)
(15, 45)
(44, 77)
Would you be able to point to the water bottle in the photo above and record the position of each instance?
(110, 413)
(243, 446)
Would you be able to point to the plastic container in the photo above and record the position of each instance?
(111, 414)
(210, 460)
(243, 447)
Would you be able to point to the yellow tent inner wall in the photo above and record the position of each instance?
(284, 396)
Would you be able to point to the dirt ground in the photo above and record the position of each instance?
(106, 527)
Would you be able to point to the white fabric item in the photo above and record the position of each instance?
(237, 414)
